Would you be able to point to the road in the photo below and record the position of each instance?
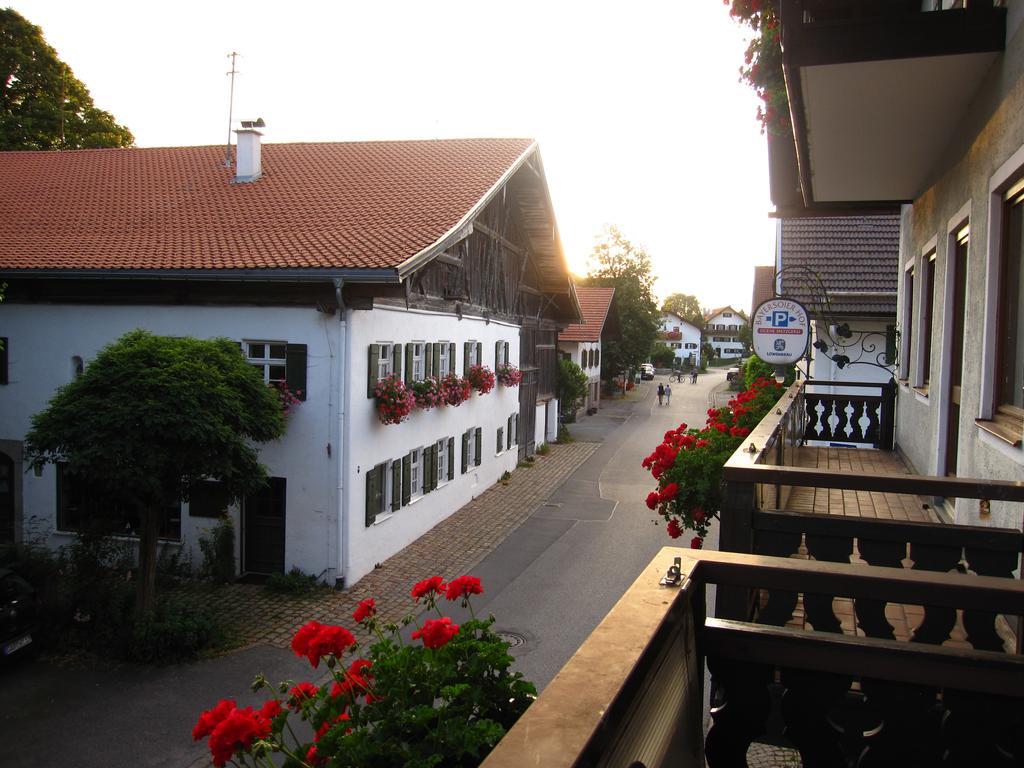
(553, 580)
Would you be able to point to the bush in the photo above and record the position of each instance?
(662, 356)
(175, 632)
(295, 582)
(543, 449)
(756, 368)
(219, 552)
(572, 386)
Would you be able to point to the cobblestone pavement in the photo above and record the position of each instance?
(768, 756)
(255, 615)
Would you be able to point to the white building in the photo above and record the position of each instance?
(682, 337)
(581, 342)
(722, 331)
(332, 265)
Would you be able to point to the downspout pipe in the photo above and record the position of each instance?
(342, 462)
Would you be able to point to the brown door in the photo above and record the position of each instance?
(958, 263)
(263, 516)
(528, 413)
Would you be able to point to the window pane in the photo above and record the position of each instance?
(278, 351)
(257, 350)
(277, 373)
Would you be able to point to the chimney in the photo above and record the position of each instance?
(248, 166)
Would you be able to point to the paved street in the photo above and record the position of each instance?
(556, 547)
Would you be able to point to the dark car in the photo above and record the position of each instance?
(17, 612)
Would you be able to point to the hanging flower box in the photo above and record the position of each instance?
(394, 401)
(508, 375)
(455, 390)
(481, 378)
(428, 393)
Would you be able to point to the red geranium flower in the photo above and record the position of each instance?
(300, 643)
(428, 587)
(329, 641)
(696, 542)
(436, 632)
(669, 492)
(271, 708)
(236, 733)
(211, 718)
(652, 499)
(464, 586)
(299, 693)
(366, 609)
(673, 529)
(698, 515)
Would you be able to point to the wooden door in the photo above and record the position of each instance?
(263, 519)
(528, 413)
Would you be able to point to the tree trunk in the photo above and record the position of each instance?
(145, 597)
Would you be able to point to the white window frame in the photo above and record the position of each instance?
(266, 362)
(443, 363)
(415, 473)
(500, 355)
(387, 491)
(419, 371)
(442, 461)
(472, 354)
(385, 364)
(908, 285)
(727, 314)
(471, 450)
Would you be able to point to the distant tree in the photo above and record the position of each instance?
(150, 418)
(42, 104)
(572, 386)
(662, 356)
(746, 337)
(616, 262)
(686, 306)
(707, 352)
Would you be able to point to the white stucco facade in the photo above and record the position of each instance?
(721, 331)
(587, 355)
(332, 437)
(682, 337)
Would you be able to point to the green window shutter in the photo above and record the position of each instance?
(465, 357)
(406, 478)
(435, 456)
(497, 352)
(396, 485)
(501, 439)
(371, 379)
(465, 451)
(515, 416)
(451, 359)
(506, 352)
(295, 369)
(477, 440)
(451, 458)
(396, 360)
(435, 363)
(408, 362)
(373, 490)
(428, 470)
(428, 360)
(479, 353)
(508, 432)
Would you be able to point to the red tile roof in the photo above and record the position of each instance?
(594, 302)
(361, 205)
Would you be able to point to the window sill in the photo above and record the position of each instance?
(1001, 430)
(922, 391)
(905, 383)
(383, 518)
(121, 537)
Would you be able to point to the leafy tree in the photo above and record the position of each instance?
(686, 306)
(707, 353)
(662, 356)
(756, 368)
(150, 418)
(42, 104)
(618, 263)
(572, 386)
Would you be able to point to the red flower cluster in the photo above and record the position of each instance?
(357, 682)
(234, 730)
(428, 588)
(455, 390)
(366, 610)
(314, 640)
(427, 393)
(688, 462)
(481, 378)
(300, 693)
(508, 375)
(394, 401)
(289, 400)
(436, 632)
(463, 587)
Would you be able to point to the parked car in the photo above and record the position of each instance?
(17, 612)
(732, 374)
(646, 371)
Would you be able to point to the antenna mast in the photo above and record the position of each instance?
(231, 107)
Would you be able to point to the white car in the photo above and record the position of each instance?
(646, 371)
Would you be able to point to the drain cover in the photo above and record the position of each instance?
(514, 639)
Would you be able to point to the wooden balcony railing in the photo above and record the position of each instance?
(633, 694)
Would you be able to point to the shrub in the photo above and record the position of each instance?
(756, 368)
(295, 582)
(543, 449)
(174, 632)
(219, 552)
(663, 356)
(572, 386)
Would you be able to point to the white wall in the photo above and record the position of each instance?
(722, 348)
(43, 339)
(372, 442)
(689, 334)
(576, 350)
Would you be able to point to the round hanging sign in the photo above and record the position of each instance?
(780, 329)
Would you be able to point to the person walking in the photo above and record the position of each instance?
(668, 394)
(693, 376)
(661, 392)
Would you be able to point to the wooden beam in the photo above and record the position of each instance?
(499, 237)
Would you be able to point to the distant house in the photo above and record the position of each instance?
(333, 266)
(722, 331)
(581, 342)
(682, 337)
(844, 269)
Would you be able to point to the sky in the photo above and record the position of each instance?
(637, 107)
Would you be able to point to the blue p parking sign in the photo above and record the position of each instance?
(781, 330)
(780, 318)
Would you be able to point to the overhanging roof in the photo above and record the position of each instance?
(877, 91)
